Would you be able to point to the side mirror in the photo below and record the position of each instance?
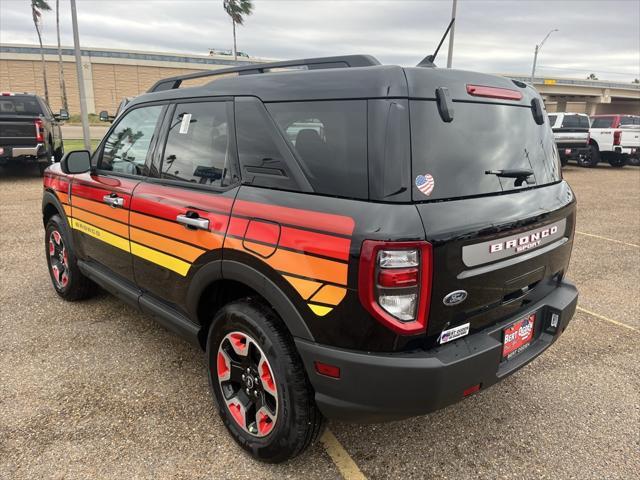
(78, 161)
(105, 117)
(63, 115)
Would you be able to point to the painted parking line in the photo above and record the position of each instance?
(608, 239)
(606, 319)
(343, 461)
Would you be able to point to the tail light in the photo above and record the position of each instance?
(395, 284)
(39, 131)
(616, 137)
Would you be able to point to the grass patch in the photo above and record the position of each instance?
(71, 145)
(93, 120)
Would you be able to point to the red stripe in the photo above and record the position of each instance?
(166, 208)
(292, 216)
(97, 194)
(185, 198)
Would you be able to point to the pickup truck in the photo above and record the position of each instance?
(616, 139)
(571, 133)
(29, 131)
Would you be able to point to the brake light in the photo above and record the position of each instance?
(7, 94)
(39, 131)
(494, 92)
(617, 134)
(395, 284)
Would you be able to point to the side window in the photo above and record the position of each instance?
(198, 144)
(602, 122)
(127, 146)
(552, 120)
(330, 139)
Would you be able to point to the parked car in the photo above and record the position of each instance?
(571, 132)
(615, 139)
(29, 131)
(372, 268)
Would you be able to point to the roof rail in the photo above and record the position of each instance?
(350, 61)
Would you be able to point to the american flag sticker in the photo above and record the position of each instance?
(425, 183)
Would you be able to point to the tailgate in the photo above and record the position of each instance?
(573, 136)
(630, 137)
(17, 131)
(505, 251)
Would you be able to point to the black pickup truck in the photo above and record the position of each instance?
(29, 131)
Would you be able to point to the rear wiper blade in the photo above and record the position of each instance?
(513, 173)
(520, 174)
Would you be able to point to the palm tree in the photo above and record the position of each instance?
(37, 7)
(63, 87)
(236, 9)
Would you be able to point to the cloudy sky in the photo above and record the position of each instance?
(601, 36)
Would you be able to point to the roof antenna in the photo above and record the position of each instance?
(429, 59)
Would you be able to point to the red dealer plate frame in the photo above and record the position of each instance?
(518, 336)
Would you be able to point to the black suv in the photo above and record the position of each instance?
(344, 239)
(29, 131)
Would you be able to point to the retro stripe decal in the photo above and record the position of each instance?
(161, 259)
(100, 234)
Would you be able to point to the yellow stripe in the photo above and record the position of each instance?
(102, 235)
(606, 319)
(161, 259)
(343, 461)
(319, 310)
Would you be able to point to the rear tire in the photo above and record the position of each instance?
(591, 159)
(634, 161)
(617, 160)
(59, 153)
(68, 282)
(259, 336)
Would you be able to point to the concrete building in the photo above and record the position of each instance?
(110, 75)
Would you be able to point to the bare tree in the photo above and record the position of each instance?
(63, 87)
(237, 9)
(592, 76)
(37, 7)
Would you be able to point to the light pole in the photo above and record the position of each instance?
(535, 54)
(453, 31)
(86, 134)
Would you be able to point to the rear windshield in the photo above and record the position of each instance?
(602, 122)
(20, 105)
(575, 121)
(451, 160)
(630, 120)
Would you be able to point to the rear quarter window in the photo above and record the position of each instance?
(602, 122)
(330, 142)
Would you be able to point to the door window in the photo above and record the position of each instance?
(198, 145)
(128, 145)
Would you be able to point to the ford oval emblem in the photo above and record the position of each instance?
(454, 298)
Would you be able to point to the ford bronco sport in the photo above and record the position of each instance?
(344, 239)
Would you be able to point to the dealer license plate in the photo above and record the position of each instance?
(518, 336)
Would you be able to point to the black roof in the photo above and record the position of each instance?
(366, 79)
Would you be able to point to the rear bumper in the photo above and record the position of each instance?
(381, 387)
(30, 152)
(572, 152)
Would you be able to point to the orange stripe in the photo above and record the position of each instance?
(100, 208)
(206, 240)
(100, 222)
(186, 252)
(299, 264)
(67, 210)
(330, 294)
(63, 197)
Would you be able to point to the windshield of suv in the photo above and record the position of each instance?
(20, 106)
(460, 158)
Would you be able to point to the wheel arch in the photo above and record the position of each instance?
(223, 281)
(51, 206)
(594, 143)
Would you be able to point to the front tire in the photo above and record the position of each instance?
(66, 277)
(258, 380)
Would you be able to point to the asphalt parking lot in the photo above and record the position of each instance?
(98, 390)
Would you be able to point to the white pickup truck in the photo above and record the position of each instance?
(616, 139)
(571, 133)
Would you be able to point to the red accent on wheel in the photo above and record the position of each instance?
(56, 236)
(239, 341)
(52, 247)
(267, 378)
(65, 258)
(265, 423)
(65, 279)
(223, 366)
(236, 413)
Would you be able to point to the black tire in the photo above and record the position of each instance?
(634, 161)
(591, 159)
(298, 422)
(68, 282)
(617, 160)
(59, 153)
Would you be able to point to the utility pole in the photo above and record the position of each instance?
(535, 53)
(86, 134)
(453, 30)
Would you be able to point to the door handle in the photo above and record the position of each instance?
(192, 221)
(113, 200)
